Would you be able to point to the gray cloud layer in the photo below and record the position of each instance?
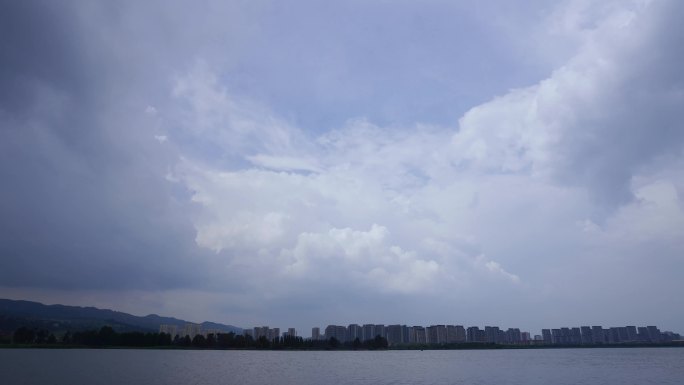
(255, 163)
(85, 197)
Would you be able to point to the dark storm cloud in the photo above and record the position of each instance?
(39, 48)
(84, 202)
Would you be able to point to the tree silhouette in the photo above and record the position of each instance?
(263, 343)
(107, 336)
(24, 335)
(199, 341)
(357, 343)
(66, 338)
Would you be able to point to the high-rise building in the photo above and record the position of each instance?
(368, 330)
(379, 330)
(404, 334)
(266, 332)
(474, 334)
(171, 330)
(316, 334)
(622, 334)
(191, 330)
(513, 336)
(587, 337)
(492, 334)
(337, 332)
(420, 337)
(547, 337)
(436, 334)
(575, 336)
(642, 334)
(441, 334)
(565, 336)
(654, 334)
(455, 334)
(331, 332)
(291, 332)
(668, 336)
(412, 335)
(260, 331)
(394, 334)
(431, 334)
(460, 333)
(451, 334)
(342, 334)
(355, 331)
(632, 333)
(525, 338)
(613, 335)
(598, 337)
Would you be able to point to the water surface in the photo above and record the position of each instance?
(473, 367)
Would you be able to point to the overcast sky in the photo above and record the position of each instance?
(304, 163)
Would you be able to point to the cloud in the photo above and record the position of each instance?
(597, 120)
(360, 258)
(210, 115)
(447, 208)
(495, 268)
(304, 219)
(85, 202)
(324, 173)
(151, 110)
(285, 163)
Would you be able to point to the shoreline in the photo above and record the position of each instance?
(393, 348)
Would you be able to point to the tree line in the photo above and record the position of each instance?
(106, 336)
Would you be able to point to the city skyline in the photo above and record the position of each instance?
(301, 163)
(397, 334)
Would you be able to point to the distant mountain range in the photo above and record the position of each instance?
(59, 318)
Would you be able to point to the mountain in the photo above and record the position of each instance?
(56, 318)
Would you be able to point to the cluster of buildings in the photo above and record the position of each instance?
(270, 334)
(450, 334)
(585, 335)
(434, 334)
(189, 329)
(192, 330)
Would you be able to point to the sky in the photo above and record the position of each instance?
(305, 163)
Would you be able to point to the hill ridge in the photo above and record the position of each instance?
(57, 317)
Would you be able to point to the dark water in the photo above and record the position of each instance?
(529, 367)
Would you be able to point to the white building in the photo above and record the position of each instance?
(171, 330)
(191, 330)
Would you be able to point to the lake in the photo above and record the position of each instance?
(478, 367)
